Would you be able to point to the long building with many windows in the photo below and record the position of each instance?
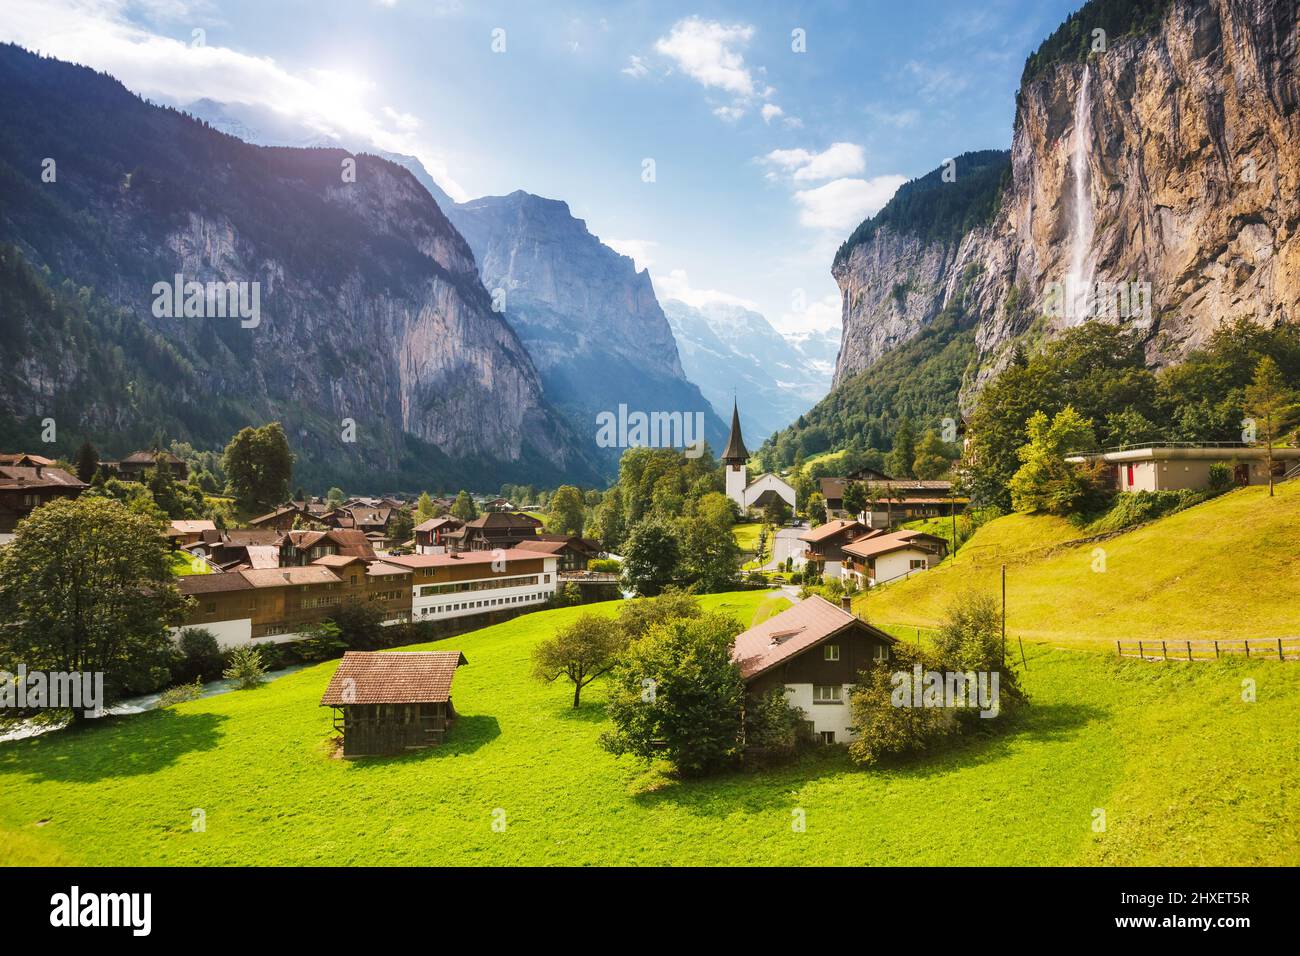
(446, 586)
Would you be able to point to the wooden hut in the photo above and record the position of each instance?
(392, 702)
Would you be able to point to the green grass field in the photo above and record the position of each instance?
(1185, 771)
(746, 535)
(1222, 569)
(183, 564)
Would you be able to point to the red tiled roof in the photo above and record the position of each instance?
(894, 541)
(790, 633)
(399, 677)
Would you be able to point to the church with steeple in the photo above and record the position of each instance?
(763, 489)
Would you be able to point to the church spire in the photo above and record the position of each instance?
(735, 453)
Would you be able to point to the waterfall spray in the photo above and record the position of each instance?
(1079, 279)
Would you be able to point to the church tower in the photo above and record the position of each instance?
(734, 459)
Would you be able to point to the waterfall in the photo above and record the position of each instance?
(1079, 279)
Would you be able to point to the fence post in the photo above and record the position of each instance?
(1216, 650)
(1279, 650)
(1118, 651)
(1140, 654)
(1189, 650)
(1247, 643)
(1164, 649)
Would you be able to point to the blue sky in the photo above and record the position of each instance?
(764, 158)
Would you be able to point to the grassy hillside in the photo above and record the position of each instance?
(1186, 773)
(1223, 569)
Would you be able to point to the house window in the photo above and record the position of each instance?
(881, 653)
(916, 564)
(828, 693)
(828, 736)
(831, 652)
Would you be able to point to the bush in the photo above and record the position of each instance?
(245, 668)
(1220, 476)
(180, 693)
(1134, 507)
(885, 730)
(604, 566)
(323, 642)
(196, 657)
(638, 616)
(773, 728)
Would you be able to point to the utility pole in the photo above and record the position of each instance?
(1004, 613)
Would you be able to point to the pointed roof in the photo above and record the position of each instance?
(736, 451)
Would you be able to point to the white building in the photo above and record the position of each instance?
(446, 586)
(750, 494)
(880, 557)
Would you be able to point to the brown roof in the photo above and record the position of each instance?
(833, 487)
(790, 633)
(192, 527)
(337, 560)
(352, 542)
(504, 519)
(399, 677)
(148, 457)
(830, 529)
(14, 476)
(545, 547)
(464, 557)
(272, 515)
(383, 568)
(433, 524)
(896, 540)
(212, 583)
(279, 577)
(24, 459)
(735, 451)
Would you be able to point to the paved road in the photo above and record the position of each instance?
(786, 544)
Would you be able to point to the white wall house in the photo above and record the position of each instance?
(447, 586)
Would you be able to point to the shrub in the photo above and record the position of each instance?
(886, 730)
(773, 728)
(604, 566)
(323, 642)
(180, 693)
(196, 657)
(637, 617)
(245, 668)
(1220, 476)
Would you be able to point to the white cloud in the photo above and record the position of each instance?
(636, 67)
(705, 50)
(843, 203)
(771, 111)
(730, 113)
(818, 315)
(638, 250)
(899, 119)
(332, 103)
(675, 284)
(803, 166)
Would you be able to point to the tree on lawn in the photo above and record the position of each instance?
(650, 557)
(259, 465)
(87, 588)
(463, 507)
(580, 651)
(1046, 481)
(904, 453)
(677, 694)
(709, 552)
(1271, 404)
(567, 513)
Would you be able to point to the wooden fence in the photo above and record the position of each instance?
(1272, 648)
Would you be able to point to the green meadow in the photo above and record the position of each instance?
(1184, 770)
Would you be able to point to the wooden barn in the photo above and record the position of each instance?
(389, 703)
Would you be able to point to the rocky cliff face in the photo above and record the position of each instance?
(371, 307)
(1170, 159)
(588, 318)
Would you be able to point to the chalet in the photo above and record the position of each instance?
(24, 488)
(893, 501)
(369, 520)
(815, 652)
(1173, 466)
(183, 533)
(497, 529)
(299, 548)
(881, 556)
(389, 703)
(431, 535)
(826, 542)
(282, 518)
(572, 551)
(134, 466)
(462, 584)
(384, 586)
